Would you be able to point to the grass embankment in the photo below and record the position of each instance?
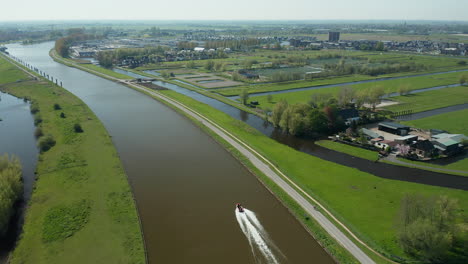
(366, 203)
(430, 100)
(351, 150)
(82, 208)
(389, 86)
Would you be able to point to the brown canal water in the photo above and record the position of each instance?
(17, 138)
(185, 183)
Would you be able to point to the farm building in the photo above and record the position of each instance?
(369, 134)
(423, 148)
(349, 115)
(394, 128)
(406, 139)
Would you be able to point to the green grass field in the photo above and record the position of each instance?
(366, 203)
(351, 150)
(430, 100)
(453, 122)
(82, 208)
(389, 87)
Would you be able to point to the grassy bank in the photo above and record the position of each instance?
(82, 208)
(367, 204)
(351, 150)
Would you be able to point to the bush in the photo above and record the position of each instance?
(461, 63)
(62, 115)
(78, 129)
(37, 119)
(38, 132)
(46, 143)
(34, 108)
(11, 189)
(57, 107)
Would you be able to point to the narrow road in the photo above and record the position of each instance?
(392, 158)
(269, 170)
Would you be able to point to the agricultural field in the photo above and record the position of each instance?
(453, 122)
(430, 100)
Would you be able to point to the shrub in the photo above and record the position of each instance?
(57, 107)
(46, 143)
(11, 188)
(37, 119)
(34, 108)
(38, 132)
(62, 115)
(78, 129)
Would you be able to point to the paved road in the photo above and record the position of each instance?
(266, 167)
(392, 158)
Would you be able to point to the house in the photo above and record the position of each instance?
(449, 144)
(394, 128)
(369, 134)
(199, 49)
(423, 149)
(349, 115)
(406, 139)
(384, 144)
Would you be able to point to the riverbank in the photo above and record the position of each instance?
(368, 203)
(82, 208)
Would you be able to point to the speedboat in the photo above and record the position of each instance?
(240, 208)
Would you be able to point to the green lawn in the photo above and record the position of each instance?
(351, 150)
(431, 100)
(82, 209)
(389, 87)
(368, 204)
(453, 122)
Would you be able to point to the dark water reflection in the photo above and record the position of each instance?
(17, 138)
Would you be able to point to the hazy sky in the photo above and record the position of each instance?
(234, 9)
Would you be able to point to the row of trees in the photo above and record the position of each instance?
(305, 119)
(11, 189)
(62, 45)
(341, 68)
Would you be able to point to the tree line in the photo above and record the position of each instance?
(62, 45)
(11, 189)
(138, 55)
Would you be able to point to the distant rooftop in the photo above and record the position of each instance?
(392, 125)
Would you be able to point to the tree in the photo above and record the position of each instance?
(11, 189)
(209, 64)
(270, 98)
(463, 79)
(426, 226)
(278, 112)
(244, 96)
(379, 46)
(46, 143)
(346, 95)
(191, 64)
(375, 96)
(404, 89)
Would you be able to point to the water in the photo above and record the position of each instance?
(184, 182)
(308, 146)
(263, 248)
(17, 138)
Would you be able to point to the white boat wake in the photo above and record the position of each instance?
(257, 237)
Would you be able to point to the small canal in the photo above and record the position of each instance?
(308, 146)
(185, 183)
(17, 138)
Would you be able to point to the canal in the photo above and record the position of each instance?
(185, 183)
(17, 138)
